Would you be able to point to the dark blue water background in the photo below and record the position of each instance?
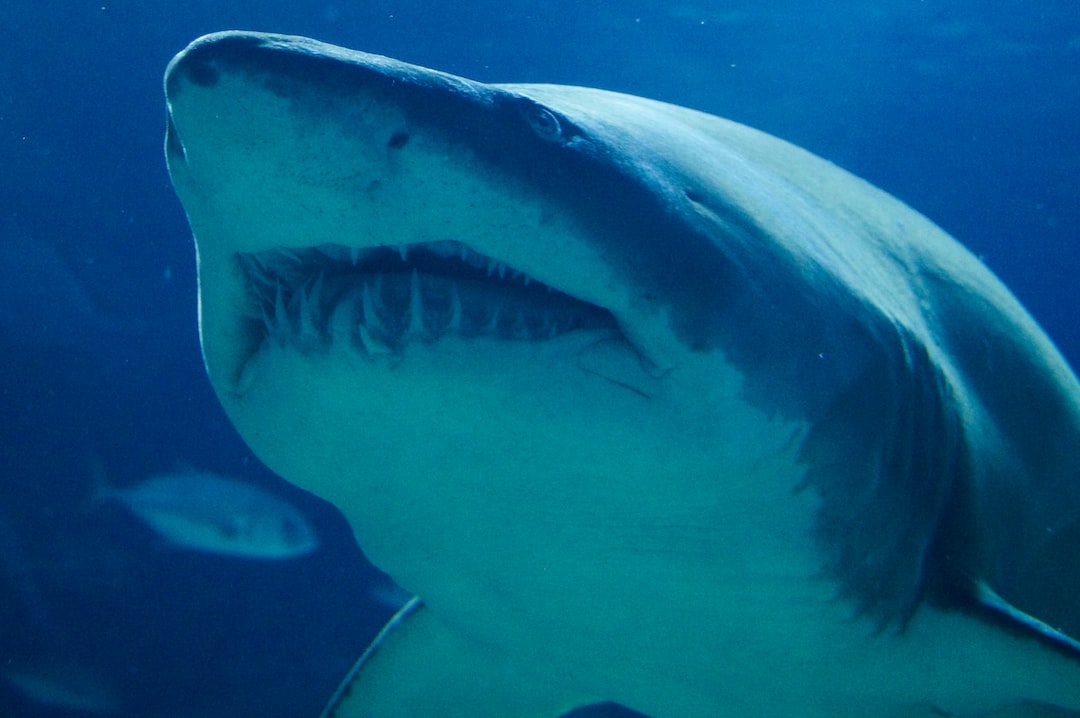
(966, 110)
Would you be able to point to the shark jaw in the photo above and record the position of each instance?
(378, 300)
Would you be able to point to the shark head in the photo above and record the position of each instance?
(579, 366)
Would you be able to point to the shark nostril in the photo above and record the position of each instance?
(398, 140)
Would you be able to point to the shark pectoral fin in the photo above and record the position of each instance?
(423, 667)
(989, 599)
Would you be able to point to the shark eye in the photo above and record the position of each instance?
(544, 123)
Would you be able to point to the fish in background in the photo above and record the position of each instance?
(44, 304)
(207, 512)
(50, 682)
(51, 675)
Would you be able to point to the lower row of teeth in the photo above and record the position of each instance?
(382, 313)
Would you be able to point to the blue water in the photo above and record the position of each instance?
(968, 114)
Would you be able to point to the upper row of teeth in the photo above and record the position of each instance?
(443, 248)
(369, 326)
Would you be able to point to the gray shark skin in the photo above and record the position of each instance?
(649, 408)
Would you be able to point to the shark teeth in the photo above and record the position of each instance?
(416, 307)
(378, 300)
(445, 249)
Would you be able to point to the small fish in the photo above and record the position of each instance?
(207, 512)
(62, 685)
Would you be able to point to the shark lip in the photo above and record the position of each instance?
(379, 299)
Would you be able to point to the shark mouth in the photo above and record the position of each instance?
(379, 299)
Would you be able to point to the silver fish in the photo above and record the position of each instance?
(207, 512)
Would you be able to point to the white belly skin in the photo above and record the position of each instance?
(576, 541)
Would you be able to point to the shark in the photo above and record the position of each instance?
(651, 411)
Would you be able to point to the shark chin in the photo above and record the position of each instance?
(652, 412)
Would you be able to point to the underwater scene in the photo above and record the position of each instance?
(504, 378)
